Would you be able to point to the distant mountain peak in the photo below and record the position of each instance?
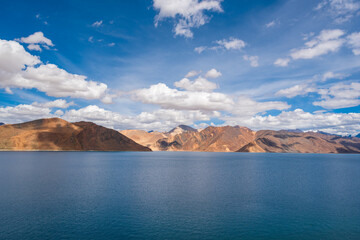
(293, 130)
(181, 129)
(2, 123)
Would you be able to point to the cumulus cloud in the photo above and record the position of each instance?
(20, 69)
(35, 40)
(197, 100)
(231, 43)
(28, 112)
(200, 84)
(327, 41)
(246, 107)
(254, 60)
(340, 95)
(282, 62)
(224, 44)
(192, 73)
(341, 10)
(213, 73)
(34, 47)
(188, 14)
(58, 103)
(162, 119)
(168, 98)
(336, 123)
(23, 113)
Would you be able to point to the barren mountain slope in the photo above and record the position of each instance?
(145, 138)
(309, 142)
(211, 139)
(55, 134)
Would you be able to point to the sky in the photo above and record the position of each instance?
(155, 64)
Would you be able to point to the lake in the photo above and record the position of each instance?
(179, 195)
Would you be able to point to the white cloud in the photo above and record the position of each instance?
(192, 73)
(341, 10)
(336, 123)
(231, 43)
(271, 24)
(200, 49)
(340, 95)
(354, 42)
(334, 103)
(327, 41)
(213, 73)
(301, 89)
(224, 44)
(14, 58)
(188, 14)
(330, 75)
(36, 38)
(34, 47)
(246, 107)
(200, 84)
(162, 119)
(58, 113)
(168, 98)
(111, 44)
(91, 39)
(58, 103)
(97, 23)
(254, 60)
(20, 69)
(8, 90)
(25, 112)
(282, 62)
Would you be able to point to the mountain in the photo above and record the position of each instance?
(242, 139)
(1, 123)
(294, 142)
(148, 139)
(181, 129)
(358, 136)
(55, 134)
(210, 139)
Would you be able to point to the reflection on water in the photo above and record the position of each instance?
(179, 195)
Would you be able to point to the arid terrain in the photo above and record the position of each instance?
(55, 134)
(242, 139)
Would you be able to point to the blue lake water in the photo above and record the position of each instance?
(179, 195)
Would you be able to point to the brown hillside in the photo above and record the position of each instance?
(55, 134)
(211, 139)
(294, 142)
(145, 138)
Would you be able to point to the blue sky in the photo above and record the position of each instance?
(155, 64)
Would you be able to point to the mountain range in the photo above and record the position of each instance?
(242, 139)
(55, 134)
